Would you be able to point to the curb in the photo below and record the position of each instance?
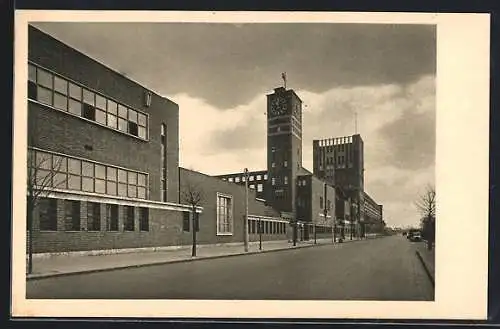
(176, 261)
(427, 271)
(50, 275)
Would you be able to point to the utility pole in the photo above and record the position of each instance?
(260, 233)
(245, 224)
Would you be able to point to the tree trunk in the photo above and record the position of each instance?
(194, 234)
(30, 235)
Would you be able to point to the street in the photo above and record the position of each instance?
(378, 269)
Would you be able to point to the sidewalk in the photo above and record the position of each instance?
(427, 257)
(65, 265)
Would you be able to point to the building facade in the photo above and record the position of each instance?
(103, 167)
(103, 153)
(223, 216)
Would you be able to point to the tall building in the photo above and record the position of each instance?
(340, 161)
(284, 148)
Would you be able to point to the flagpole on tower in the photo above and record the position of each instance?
(355, 123)
(283, 76)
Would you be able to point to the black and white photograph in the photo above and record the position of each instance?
(236, 160)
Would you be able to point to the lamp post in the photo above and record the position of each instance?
(245, 222)
(294, 232)
(260, 234)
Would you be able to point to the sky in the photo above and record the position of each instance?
(219, 75)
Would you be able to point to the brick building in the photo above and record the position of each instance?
(223, 213)
(103, 151)
(340, 161)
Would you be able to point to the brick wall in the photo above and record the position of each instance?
(210, 186)
(61, 132)
(165, 229)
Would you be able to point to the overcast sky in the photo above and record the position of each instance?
(219, 75)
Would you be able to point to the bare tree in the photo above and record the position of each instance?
(426, 206)
(41, 179)
(193, 196)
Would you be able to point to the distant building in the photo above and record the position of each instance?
(340, 161)
(256, 181)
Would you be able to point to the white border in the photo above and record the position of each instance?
(462, 185)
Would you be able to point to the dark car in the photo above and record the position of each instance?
(415, 236)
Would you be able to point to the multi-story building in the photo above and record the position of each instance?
(103, 163)
(257, 181)
(103, 151)
(340, 161)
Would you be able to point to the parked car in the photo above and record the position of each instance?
(411, 233)
(416, 236)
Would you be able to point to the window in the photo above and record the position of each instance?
(252, 227)
(57, 91)
(237, 179)
(163, 160)
(72, 215)
(286, 180)
(112, 217)
(273, 181)
(47, 214)
(143, 219)
(224, 214)
(186, 216)
(321, 202)
(88, 112)
(259, 188)
(252, 186)
(273, 165)
(285, 163)
(93, 216)
(265, 176)
(230, 179)
(243, 179)
(251, 178)
(129, 224)
(259, 177)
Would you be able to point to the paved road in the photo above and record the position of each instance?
(378, 269)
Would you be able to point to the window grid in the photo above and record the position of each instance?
(112, 217)
(224, 214)
(47, 214)
(61, 93)
(65, 172)
(93, 216)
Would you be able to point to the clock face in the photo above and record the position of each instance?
(278, 106)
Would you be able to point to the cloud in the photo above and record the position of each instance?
(216, 142)
(226, 65)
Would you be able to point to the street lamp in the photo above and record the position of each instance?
(245, 224)
(260, 233)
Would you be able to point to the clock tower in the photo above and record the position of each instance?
(284, 147)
